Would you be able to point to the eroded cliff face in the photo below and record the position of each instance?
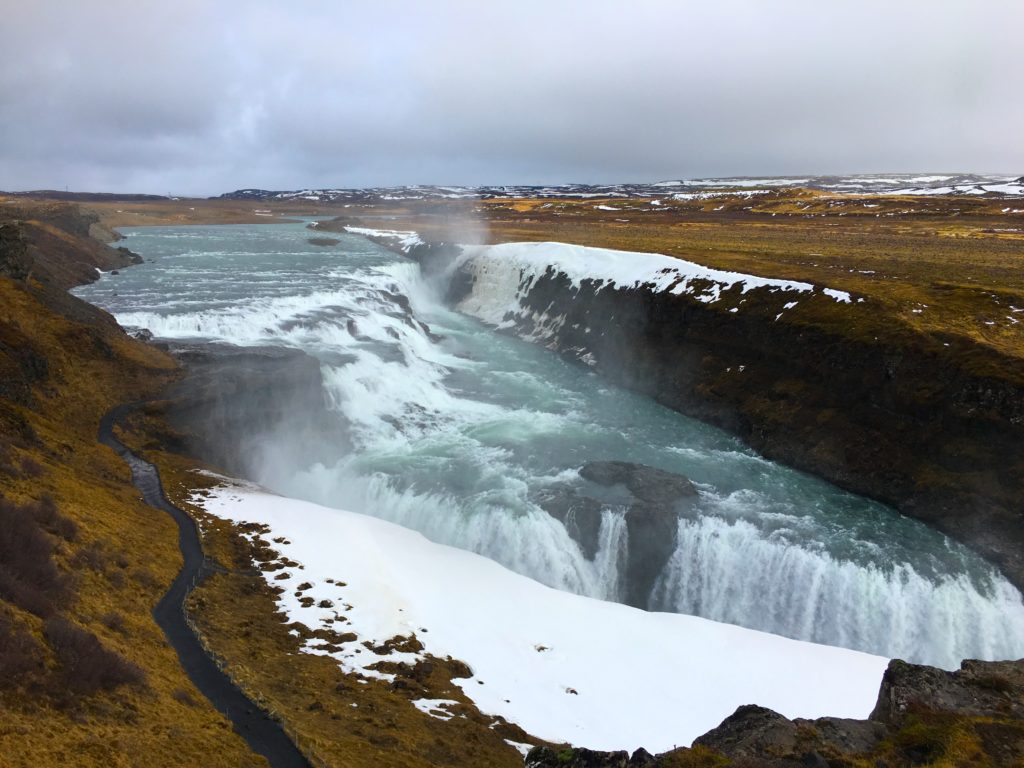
(241, 407)
(60, 243)
(933, 426)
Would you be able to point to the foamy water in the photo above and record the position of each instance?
(454, 436)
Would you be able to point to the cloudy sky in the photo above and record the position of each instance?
(192, 97)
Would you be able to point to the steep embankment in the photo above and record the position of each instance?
(819, 379)
(263, 734)
(86, 675)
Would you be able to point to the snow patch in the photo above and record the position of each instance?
(610, 677)
(406, 240)
(504, 275)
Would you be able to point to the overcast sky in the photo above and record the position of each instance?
(193, 97)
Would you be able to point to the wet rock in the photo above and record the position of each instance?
(129, 256)
(323, 241)
(236, 407)
(436, 259)
(648, 484)
(653, 531)
(581, 516)
(652, 507)
(652, 523)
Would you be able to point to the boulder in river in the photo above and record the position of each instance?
(652, 503)
(648, 484)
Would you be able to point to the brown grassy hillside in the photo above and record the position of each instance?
(86, 677)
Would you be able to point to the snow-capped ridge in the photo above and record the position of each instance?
(505, 272)
(868, 184)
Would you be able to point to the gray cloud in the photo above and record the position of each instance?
(202, 97)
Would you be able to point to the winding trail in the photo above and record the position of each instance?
(263, 735)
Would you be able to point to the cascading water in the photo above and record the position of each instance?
(457, 430)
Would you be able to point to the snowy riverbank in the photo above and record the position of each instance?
(564, 667)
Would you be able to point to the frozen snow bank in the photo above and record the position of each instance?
(564, 667)
(405, 240)
(626, 269)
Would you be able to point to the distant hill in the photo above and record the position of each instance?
(85, 197)
(870, 184)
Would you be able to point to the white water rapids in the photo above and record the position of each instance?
(456, 430)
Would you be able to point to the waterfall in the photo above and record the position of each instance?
(456, 429)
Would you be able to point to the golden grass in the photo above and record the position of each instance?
(166, 722)
(960, 267)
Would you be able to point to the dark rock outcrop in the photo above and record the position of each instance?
(656, 499)
(15, 261)
(435, 260)
(130, 256)
(978, 689)
(648, 484)
(545, 757)
(581, 516)
(652, 521)
(61, 248)
(923, 716)
(235, 405)
(753, 732)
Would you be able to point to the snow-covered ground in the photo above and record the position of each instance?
(562, 666)
(405, 240)
(505, 273)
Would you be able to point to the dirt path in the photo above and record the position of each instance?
(264, 735)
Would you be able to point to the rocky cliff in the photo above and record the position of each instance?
(929, 424)
(239, 407)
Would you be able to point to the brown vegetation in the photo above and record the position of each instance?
(77, 547)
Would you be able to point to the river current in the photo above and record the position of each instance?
(456, 429)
